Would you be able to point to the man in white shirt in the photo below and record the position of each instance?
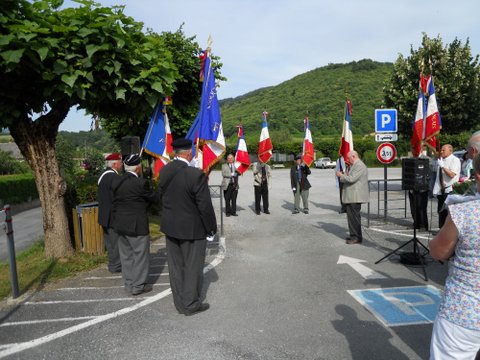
(448, 173)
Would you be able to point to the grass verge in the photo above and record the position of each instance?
(34, 270)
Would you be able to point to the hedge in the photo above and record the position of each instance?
(15, 189)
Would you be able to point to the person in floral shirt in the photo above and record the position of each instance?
(456, 331)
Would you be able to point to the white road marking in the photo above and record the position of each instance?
(32, 322)
(104, 287)
(400, 234)
(53, 302)
(119, 276)
(17, 347)
(364, 271)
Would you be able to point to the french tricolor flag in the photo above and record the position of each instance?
(242, 160)
(347, 136)
(165, 158)
(307, 151)
(265, 146)
(158, 139)
(433, 122)
(418, 128)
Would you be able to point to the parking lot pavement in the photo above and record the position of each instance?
(86, 300)
(288, 287)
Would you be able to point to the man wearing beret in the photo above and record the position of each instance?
(300, 184)
(105, 207)
(188, 220)
(132, 195)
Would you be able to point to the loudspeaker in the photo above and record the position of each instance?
(130, 145)
(415, 174)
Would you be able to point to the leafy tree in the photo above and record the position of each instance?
(51, 59)
(186, 92)
(457, 84)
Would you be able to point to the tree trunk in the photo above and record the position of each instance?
(36, 140)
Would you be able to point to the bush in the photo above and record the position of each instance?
(15, 189)
(9, 165)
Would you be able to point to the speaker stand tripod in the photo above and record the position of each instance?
(415, 258)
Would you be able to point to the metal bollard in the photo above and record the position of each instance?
(11, 251)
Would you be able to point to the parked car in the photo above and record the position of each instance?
(459, 154)
(325, 163)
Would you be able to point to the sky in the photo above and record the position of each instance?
(266, 42)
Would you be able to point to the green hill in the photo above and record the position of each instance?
(321, 92)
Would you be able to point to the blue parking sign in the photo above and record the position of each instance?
(398, 306)
(386, 121)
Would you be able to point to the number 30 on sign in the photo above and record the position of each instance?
(386, 153)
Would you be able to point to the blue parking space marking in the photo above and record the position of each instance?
(401, 306)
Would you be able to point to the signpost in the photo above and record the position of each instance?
(386, 127)
(386, 153)
(386, 137)
(386, 121)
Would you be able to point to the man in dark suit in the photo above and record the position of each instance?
(300, 184)
(105, 207)
(132, 195)
(188, 220)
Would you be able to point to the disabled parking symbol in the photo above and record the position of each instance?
(401, 306)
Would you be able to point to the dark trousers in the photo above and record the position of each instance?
(261, 192)
(419, 200)
(111, 243)
(186, 259)
(230, 199)
(442, 213)
(135, 257)
(354, 220)
(343, 208)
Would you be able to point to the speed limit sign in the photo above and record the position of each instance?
(386, 153)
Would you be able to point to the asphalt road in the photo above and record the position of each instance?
(277, 292)
(27, 227)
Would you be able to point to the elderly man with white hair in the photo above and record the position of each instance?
(355, 192)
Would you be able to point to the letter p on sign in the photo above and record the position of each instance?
(386, 121)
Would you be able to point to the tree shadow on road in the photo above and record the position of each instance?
(366, 339)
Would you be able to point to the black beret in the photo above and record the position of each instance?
(132, 160)
(298, 157)
(182, 144)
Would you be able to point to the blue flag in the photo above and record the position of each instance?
(206, 130)
(155, 139)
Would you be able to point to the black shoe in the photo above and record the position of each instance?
(115, 271)
(234, 214)
(201, 308)
(267, 212)
(257, 212)
(295, 211)
(146, 289)
(305, 211)
(353, 241)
